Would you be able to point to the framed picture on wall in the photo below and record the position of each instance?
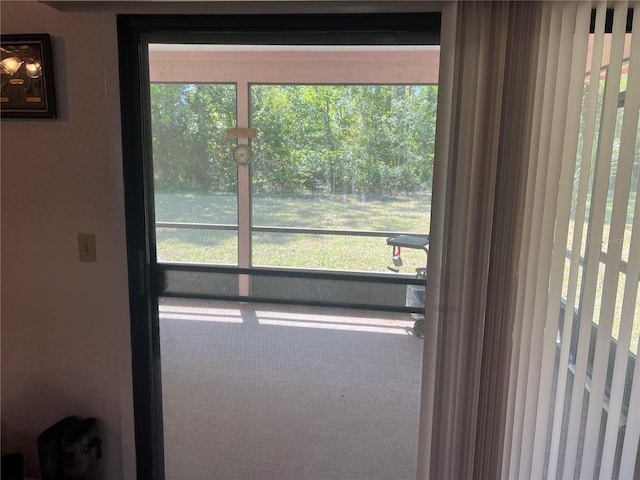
(26, 68)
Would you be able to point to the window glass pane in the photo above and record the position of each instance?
(195, 179)
(341, 158)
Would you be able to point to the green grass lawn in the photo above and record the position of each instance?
(326, 252)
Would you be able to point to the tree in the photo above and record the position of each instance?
(338, 139)
(190, 148)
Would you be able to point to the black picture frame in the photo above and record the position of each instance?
(26, 69)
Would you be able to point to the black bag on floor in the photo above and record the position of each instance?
(81, 451)
(50, 448)
(12, 466)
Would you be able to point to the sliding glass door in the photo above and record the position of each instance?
(274, 160)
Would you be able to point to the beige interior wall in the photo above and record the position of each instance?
(65, 324)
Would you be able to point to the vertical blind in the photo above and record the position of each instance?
(574, 397)
(467, 146)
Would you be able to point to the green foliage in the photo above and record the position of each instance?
(343, 139)
(336, 139)
(191, 151)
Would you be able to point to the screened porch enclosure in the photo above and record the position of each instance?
(342, 159)
(287, 346)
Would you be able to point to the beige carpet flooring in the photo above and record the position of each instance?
(270, 392)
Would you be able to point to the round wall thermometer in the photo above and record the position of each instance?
(242, 154)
